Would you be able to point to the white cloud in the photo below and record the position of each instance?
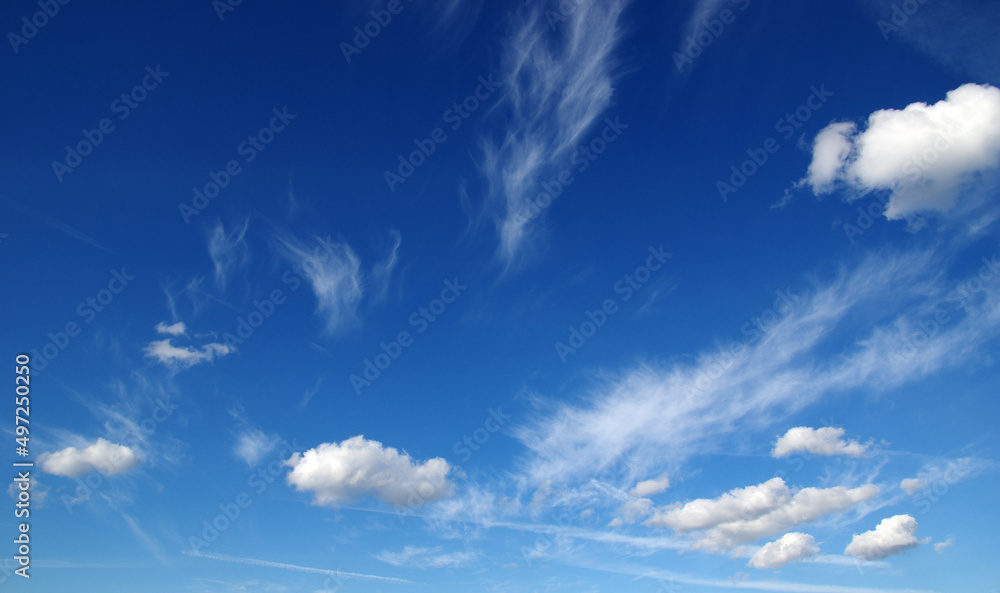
(744, 515)
(791, 547)
(912, 485)
(830, 150)
(940, 547)
(817, 441)
(337, 474)
(893, 535)
(556, 83)
(253, 444)
(927, 156)
(333, 271)
(417, 557)
(170, 355)
(103, 456)
(229, 251)
(381, 273)
(759, 381)
(651, 487)
(176, 329)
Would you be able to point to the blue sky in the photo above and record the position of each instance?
(448, 295)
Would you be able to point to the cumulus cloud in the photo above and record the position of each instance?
(912, 485)
(175, 329)
(744, 515)
(651, 487)
(103, 456)
(556, 84)
(927, 157)
(893, 535)
(339, 473)
(417, 557)
(791, 547)
(173, 356)
(816, 441)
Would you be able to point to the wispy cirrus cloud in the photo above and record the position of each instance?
(333, 271)
(558, 78)
(753, 385)
(293, 567)
(422, 557)
(229, 250)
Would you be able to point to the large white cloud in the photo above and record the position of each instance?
(339, 473)
(816, 441)
(790, 547)
(744, 515)
(892, 535)
(103, 456)
(928, 157)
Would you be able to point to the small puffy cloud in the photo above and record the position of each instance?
(912, 485)
(173, 356)
(925, 156)
(103, 456)
(891, 536)
(253, 444)
(790, 547)
(338, 473)
(744, 515)
(175, 329)
(416, 557)
(650, 487)
(817, 441)
(940, 547)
